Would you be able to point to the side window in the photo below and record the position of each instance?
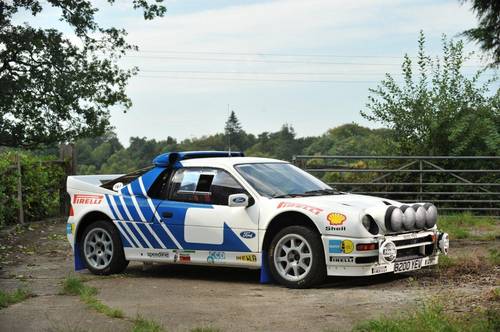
(203, 185)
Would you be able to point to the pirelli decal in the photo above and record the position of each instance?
(87, 199)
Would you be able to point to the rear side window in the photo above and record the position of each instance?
(203, 185)
(125, 179)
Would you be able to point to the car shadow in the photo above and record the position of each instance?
(247, 276)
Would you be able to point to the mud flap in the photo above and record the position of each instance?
(79, 263)
(265, 274)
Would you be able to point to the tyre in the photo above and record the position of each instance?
(101, 248)
(296, 257)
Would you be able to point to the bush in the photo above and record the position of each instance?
(41, 181)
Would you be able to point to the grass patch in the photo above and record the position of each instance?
(432, 317)
(17, 296)
(145, 325)
(468, 226)
(494, 256)
(205, 329)
(76, 286)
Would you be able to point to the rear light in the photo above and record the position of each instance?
(366, 246)
(71, 212)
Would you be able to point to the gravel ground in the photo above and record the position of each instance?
(181, 298)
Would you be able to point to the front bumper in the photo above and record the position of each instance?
(344, 259)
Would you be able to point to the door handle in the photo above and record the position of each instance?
(167, 214)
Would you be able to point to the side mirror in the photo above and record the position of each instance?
(238, 200)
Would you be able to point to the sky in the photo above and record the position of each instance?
(306, 63)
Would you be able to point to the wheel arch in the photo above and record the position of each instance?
(87, 219)
(285, 219)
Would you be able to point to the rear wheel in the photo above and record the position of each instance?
(296, 257)
(101, 248)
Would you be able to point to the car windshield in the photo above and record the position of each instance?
(277, 180)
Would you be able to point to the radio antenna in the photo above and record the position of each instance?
(229, 132)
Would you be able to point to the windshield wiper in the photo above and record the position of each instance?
(286, 195)
(322, 192)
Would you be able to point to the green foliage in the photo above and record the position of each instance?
(487, 34)
(432, 317)
(17, 296)
(438, 110)
(55, 89)
(75, 286)
(468, 226)
(144, 325)
(72, 286)
(40, 182)
(494, 256)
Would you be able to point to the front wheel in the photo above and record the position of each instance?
(296, 258)
(101, 248)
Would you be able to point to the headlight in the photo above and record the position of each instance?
(370, 224)
(420, 216)
(394, 218)
(431, 214)
(410, 217)
(397, 220)
(444, 243)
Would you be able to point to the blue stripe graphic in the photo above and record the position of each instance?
(120, 208)
(111, 207)
(131, 208)
(148, 235)
(124, 230)
(137, 235)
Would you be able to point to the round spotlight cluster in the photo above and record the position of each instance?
(408, 218)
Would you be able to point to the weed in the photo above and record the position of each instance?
(468, 226)
(494, 256)
(17, 296)
(75, 286)
(144, 325)
(432, 317)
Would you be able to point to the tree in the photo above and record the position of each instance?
(233, 131)
(53, 89)
(439, 111)
(487, 34)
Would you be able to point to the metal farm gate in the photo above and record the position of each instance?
(469, 183)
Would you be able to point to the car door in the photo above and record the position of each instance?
(197, 214)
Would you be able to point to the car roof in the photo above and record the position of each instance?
(227, 162)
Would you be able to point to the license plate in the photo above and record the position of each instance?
(405, 266)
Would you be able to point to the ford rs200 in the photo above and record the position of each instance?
(224, 209)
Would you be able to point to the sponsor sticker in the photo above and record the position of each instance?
(347, 246)
(216, 256)
(334, 229)
(379, 269)
(247, 258)
(335, 218)
(388, 251)
(158, 254)
(340, 247)
(87, 199)
(184, 258)
(341, 259)
(247, 235)
(309, 208)
(70, 228)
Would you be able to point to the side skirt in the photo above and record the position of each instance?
(195, 257)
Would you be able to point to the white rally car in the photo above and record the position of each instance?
(222, 208)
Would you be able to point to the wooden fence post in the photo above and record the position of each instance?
(19, 189)
(67, 155)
